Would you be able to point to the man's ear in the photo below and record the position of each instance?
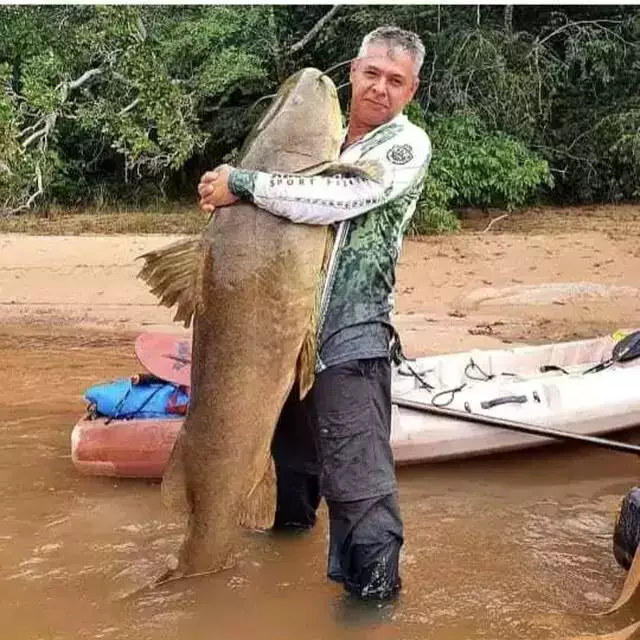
(416, 84)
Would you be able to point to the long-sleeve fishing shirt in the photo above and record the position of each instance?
(375, 213)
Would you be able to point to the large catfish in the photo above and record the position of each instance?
(252, 282)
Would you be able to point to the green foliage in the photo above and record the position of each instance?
(41, 74)
(126, 103)
(433, 213)
(483, 168)
(473, 167)
(592, 135)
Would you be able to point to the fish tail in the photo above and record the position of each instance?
(173, 274)
(260, 506)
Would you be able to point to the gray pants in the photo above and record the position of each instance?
(335, 444)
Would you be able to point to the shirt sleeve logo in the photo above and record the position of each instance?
(400, 154)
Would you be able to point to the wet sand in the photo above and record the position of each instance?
(509, 546)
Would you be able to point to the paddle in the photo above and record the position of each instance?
(517, 426)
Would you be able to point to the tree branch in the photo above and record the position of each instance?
(129, 107)
(142, 32)
(314, 31)
(50, 119)
(274, 44)
(33, 196)
(588, 131)
(502, 217)
(597, 23)
(118, 76)
(430, 84)
(508, 19)
(33, 127)
(85, 77)
(49, 122)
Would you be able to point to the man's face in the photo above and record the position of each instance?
(382, 84)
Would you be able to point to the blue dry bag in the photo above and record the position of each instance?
(123, 399)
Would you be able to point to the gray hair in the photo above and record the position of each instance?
(395, 37)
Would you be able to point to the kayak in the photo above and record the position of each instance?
(572, 386)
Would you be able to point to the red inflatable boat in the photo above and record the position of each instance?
(135, 448)
(123, 448)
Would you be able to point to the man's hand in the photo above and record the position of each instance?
(214, 189)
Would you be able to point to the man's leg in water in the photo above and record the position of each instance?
(352, 407)
(297, 467)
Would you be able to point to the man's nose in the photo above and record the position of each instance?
(380, 85)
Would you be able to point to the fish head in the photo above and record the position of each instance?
(302, 128)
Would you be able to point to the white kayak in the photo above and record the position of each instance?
(547, 386)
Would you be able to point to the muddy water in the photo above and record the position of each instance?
(498, 548)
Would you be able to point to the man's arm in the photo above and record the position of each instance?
(311, 200)
(325, 200)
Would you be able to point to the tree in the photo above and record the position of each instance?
(132, 103)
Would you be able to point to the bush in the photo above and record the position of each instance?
(472, 166)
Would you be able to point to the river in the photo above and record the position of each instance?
(503, 547)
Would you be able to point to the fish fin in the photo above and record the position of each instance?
(307, 362)
(629, 587)
(315, 170)
(173, 274)
(370, 169)
(620, 634)
(260, 506)
(174, 484)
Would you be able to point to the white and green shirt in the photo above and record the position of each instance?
(376, 214)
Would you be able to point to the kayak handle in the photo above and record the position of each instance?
(488, 404)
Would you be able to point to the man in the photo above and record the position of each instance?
(335, 443)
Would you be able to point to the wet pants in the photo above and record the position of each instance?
(335, 444)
